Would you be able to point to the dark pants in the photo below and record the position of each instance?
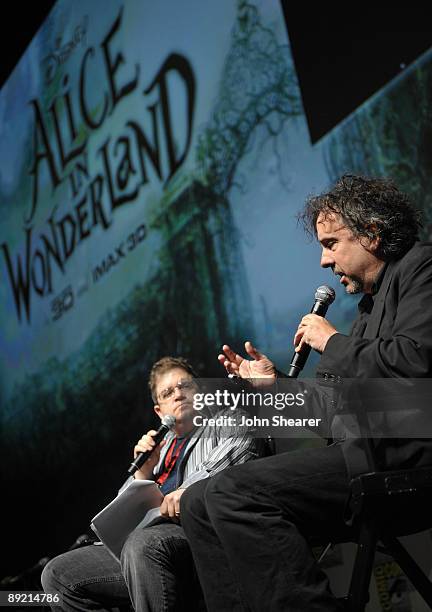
(250, 528)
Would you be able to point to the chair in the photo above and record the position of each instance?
(371, 495)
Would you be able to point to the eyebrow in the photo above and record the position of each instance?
(327, 239)
(182, 380)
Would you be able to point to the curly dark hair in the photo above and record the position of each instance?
(371, 207)
(163, 366)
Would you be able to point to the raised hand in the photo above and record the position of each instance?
(258, 367)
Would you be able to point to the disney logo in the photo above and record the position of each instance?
(62, 52)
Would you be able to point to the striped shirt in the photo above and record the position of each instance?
(210, 450)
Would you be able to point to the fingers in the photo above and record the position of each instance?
(164, 508)
(231, 355)
(299, 346)
(230, 360)
(245, 368)
(298, 336)
(300, 332)
(170, 506)
(146, 443)
(234, 358)
(224, 361)
(230, 367)
(314, 331)
(253, 352)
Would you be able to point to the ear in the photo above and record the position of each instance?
(374, 244)
(157, 410)
(371, 244)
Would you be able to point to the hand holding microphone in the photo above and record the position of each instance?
(149, 446)
(314, 331)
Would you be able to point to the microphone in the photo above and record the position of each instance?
(168, 422)
(324, 296)
(83, 540)
(26, 578)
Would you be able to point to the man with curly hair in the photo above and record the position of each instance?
(250, 528)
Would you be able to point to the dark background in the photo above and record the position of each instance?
(342, 60)
(19, 22)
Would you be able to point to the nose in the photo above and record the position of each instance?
(327, 260)
(178, 391)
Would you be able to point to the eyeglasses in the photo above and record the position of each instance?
(185, 385)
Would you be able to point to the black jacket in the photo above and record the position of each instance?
(397, 343)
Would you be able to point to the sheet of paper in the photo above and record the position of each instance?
(127, 511)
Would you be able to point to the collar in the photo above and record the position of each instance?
(367, 301)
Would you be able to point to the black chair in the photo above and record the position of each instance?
(373, 496)
(382, 504)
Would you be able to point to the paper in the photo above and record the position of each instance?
(136, 506)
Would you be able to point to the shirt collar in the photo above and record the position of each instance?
(367, 301)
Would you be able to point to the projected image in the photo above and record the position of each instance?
(127, 160)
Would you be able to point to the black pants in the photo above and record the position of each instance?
(250, 529)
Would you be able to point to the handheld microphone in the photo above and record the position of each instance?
(168, 422)
(27, 577)
(324, 296)
(83, 540)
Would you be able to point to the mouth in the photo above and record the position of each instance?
(343, 279)
(184, 406)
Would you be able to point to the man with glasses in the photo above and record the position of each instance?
(156, 570)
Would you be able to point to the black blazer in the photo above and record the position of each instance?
(397, 342)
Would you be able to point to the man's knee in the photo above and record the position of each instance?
(230, 492)
(51, 576)
(208, 495)
(137, 547)
(226, 483)
(154, 544)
